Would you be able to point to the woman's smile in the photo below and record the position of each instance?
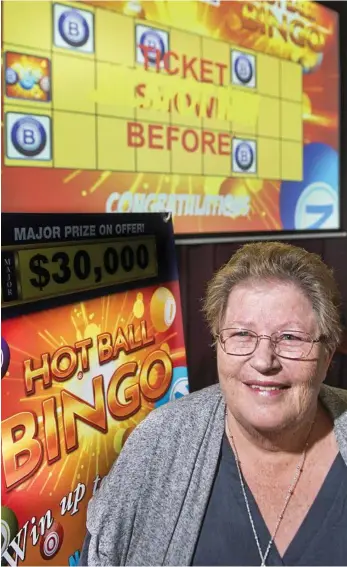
(266, 389)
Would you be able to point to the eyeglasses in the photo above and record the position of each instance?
(287, 344)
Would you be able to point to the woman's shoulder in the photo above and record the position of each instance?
(208, 395)
(335, 400)
(161, 451)
(162, 431)
(192, 409)
(164, 427)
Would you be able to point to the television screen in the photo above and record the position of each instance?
(225, 113)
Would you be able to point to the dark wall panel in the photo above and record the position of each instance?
(196, 266)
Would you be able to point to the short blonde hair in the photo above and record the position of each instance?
(284, 262)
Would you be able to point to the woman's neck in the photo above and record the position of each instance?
(288, 441)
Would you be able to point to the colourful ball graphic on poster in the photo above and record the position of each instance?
(179, 386)
(52, 541)
(139, 306)
(5, 357)
(162, 309)
(313, 203)
(179, 389)
(9, 529)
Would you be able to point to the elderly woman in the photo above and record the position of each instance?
(252, 471)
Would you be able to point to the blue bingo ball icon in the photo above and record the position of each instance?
(73, 28)
(244, 156)
(28, 136)
(152, 39)
(243, 69)
(11, 76)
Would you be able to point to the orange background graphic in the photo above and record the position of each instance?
(144, 328)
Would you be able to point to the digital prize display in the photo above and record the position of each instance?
(91, 341)
(218, 111)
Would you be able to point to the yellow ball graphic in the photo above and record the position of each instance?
(254, 185)
(212, 185)
(162, 309)
(235, 187)
(139, 307)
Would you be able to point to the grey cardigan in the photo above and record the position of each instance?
(149, 509)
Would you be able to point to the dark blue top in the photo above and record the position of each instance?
(226, 536)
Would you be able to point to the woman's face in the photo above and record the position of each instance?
(248, 381)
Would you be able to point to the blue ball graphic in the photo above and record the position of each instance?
(73, 28)
(28, 136)
(11, 76)
(313, 203)
(179, 386)
(5, 357)
(307, 70)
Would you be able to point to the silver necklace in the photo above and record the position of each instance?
(298, 471)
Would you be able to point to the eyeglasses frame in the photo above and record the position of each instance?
(259, 337)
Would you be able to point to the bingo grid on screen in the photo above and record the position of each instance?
(210, 109)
